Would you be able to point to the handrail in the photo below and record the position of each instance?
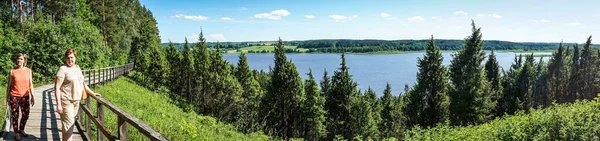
(102, 76)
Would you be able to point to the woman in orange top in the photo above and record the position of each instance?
(20, 88)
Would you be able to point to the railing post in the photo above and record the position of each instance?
(100, 114)
(87, 119)
(123, 135)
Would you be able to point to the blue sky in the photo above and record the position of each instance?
(266, 20)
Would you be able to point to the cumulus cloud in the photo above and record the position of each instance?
(385, 15)
(190, 17)
(215, 37)
(309, 16)
(574, 24)
(226, 18)
(341, 18)
(274, 15)
(489, 15)
(541, 21)
(416, 18)
(461, 13)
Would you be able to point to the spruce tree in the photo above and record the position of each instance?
(524, 83)
(557, 75)
(251, 95)
(325, 82)
(540, 86)
(470, 95)
(337, 102)
(174, 58)
(313, 110)
(575, 76)
(225, 93)
(187, 65)
(202, 73)
(429, 99)
(281, 104)
(388, 127)
(492, 71)
(588, 70)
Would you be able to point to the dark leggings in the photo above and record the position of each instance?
(16, 103)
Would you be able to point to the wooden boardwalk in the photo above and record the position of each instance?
(44, 121)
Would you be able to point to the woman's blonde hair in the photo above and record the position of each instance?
(24, 57)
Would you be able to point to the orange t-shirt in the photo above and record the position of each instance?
(21, 80)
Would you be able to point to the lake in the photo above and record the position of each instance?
(368, 70)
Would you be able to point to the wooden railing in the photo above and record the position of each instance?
(86, 117)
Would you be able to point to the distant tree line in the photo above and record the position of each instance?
(364, 46)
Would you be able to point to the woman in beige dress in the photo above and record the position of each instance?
(69, 87)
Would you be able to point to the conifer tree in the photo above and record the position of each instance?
(429, 100)
(251, 95)
(524, 84)
(588, 70)
(337, 102)
(281, 104)
(174, 58)
(388, 126)
(470, 95)
(575, 76)
(558, 75)
(492, 70)
(313, 110)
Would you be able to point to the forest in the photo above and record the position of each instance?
(277, 102)
(367, 46)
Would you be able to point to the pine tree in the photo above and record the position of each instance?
(251, 95)
(313, 110)
(470, 96)
(281, 104)
(429, 100)
(376, 107)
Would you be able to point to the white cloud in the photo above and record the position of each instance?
(341, 18)
(215, 37)
(243, 9)
(541, 21)
(574, 24)
(226, 18)
(416, 18)
(274, 15)
(385, 15)
(461, 13)
(189, 17)
(309, 16)
(489, 15)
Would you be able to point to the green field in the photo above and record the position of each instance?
(261, 48)
(161, 113)
(577, 121)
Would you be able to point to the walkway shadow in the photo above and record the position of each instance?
(48, 117)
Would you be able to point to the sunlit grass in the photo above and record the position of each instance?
(159, 112)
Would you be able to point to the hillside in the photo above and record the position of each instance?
(163, 115)
(576, 121)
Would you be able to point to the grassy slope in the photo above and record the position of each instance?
(261, 48)
(577, 121)
(162, 115)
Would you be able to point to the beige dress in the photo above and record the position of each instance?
(71, 91)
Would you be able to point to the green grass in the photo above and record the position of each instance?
(261, 48)
(158, 111)
(576, 121)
